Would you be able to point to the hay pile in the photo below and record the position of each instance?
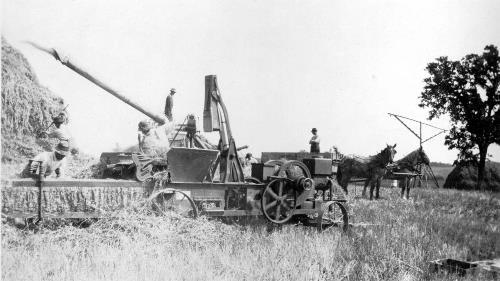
(465, 177)
(27, 107)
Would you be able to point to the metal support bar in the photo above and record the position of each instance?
(395, 115)
(433, 136)
(40, 184)
(433, 176)
(441, 130)
(404, 124)
(86, 75)
(178, 130)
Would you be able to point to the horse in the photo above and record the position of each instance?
(373, 168)
(410, 164)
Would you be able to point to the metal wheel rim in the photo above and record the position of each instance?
(280, 202)
(333, 214)
(167, 201)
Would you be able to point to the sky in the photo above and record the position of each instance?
(283, 67)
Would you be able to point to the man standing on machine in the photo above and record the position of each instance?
(169, 104)
(314, 142)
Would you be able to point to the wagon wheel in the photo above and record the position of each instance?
(252, 180)
(278, 201)
(175, 201)
(277, 165)
(294, 169)
(333, 214)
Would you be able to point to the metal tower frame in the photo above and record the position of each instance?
(420, 139)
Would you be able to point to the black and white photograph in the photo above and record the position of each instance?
(250, 140)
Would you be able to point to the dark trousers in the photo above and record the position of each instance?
(314, 147)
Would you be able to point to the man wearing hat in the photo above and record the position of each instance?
(153, 141)
(49, 162)
(314, 142)
(147, 137)
(60, 131)
(249, 159)
(169, 104)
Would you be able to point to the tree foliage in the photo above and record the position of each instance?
(468, 91)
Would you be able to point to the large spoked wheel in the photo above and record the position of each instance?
(278, 201)
(294, 169)
(333, 214)
(170, 200)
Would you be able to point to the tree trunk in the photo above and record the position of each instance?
(483, 149)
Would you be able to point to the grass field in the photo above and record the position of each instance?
(406, 235)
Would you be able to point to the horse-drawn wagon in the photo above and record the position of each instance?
(191, 181)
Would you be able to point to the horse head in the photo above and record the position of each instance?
(389, 152)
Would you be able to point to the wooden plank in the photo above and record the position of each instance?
(72, 215)
(73, 183)
(105, 183)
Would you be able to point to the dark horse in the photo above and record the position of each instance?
(409, 167)
(372, 168)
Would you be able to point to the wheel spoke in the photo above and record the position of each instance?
(270, 205)
(278, 212)
(286, 206)
(334, 216)
(164, 203)
(157, 206)
(184, 212)
(271, 192)
(280, 189)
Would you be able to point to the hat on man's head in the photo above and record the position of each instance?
(62, 148)
(172, 90)
(144, 125)
(59, 119)
(314, 130)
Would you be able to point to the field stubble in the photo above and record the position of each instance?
(403, 236)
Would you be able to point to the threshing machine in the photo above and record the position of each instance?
(196, 180)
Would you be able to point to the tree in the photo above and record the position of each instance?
(468, 91)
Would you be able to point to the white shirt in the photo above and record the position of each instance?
(155, 142)
(315, 138)
(249, 162)
(49, 163)
(61, 133)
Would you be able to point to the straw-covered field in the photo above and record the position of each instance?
(135, 246)
(393, 239)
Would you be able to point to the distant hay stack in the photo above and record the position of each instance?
(465, 177)
(27, 107)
